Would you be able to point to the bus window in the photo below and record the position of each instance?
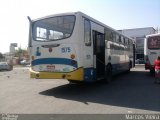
(117, 38)
(114, 37)
(111, 36)
(126, 41)
(120, 39)
(154, 42)
(54, 28)
(108, 35)
(55, 35)
(87, 32)
(41, 33)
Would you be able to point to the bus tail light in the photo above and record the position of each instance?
(63, 76)
(72, 56)
(32, 57)
(50, 49)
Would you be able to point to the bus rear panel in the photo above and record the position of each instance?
(151, 50)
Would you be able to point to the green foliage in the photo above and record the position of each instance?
(20, 51)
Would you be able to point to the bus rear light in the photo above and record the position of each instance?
(32, 57)
(63, 76)
(72, 56)
(37, 75)
(50, 49)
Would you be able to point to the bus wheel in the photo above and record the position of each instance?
(152, 72)
(74, 82)
(108, 75)
(130, 66)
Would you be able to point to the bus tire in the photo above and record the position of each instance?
(108, 75)
(130, 66)
(152, 72)
(74, 82)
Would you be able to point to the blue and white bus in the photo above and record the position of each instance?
(76, 47)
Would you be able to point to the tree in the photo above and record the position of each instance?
(20, 52)
(1, 56)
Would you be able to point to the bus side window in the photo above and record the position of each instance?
(124, 41)
(120, 39)
(117, 38)
(87, 32)
(106, 45)
(111, 36)
(106, 35)
(114, 37)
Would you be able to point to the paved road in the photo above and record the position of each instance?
(128, 93)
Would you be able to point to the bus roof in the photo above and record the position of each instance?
(151, 35)
(55, 15)
(104, 25)
(86, 16)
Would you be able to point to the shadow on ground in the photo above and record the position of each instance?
(133, 90)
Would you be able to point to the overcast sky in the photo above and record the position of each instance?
(118, 14)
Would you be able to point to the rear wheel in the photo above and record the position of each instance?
(130, 66)
(75, 82)
(152, 72)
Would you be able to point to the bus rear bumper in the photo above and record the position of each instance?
(77, 75)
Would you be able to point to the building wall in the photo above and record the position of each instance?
(138, 34)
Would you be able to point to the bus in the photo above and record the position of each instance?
(151, 51)
(76, 47)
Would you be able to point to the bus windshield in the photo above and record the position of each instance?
(154, 42)
(54, 28)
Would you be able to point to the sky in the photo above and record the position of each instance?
(118, 14)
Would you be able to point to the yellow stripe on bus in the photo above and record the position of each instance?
(74, 75)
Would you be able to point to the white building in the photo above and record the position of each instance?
(138, 34)
(12, 48)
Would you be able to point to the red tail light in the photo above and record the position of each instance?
(50, 49)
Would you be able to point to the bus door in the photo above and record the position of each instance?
(99, 54)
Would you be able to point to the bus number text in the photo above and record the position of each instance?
(65, 49)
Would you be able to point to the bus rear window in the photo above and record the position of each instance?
(54, 28)
(154, 42)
